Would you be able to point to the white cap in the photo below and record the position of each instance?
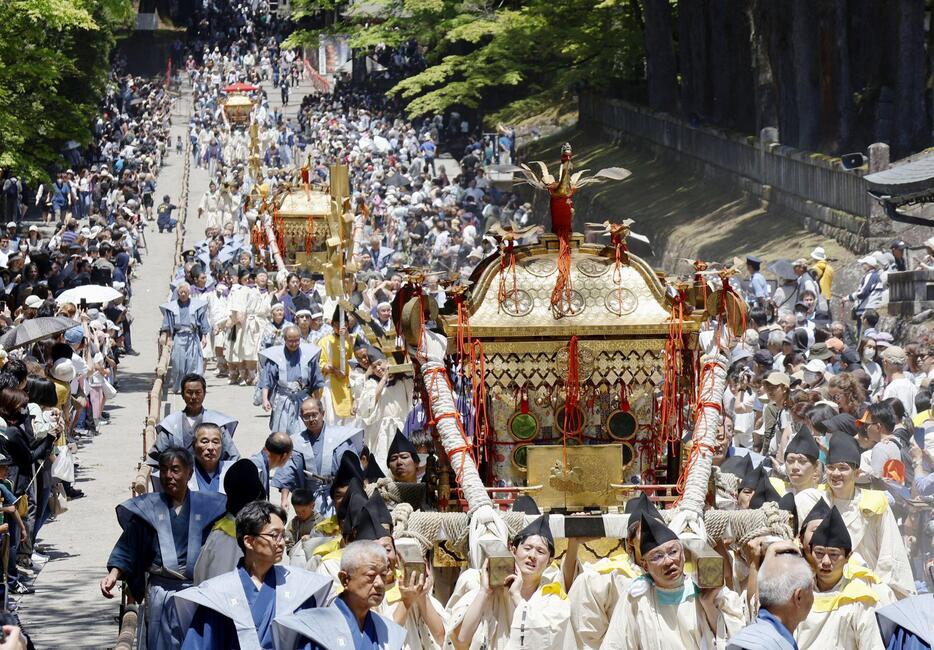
(33, 302)
(63, 370)
(869, 260)
(33, 228)
(816, 365)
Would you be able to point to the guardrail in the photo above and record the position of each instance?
(829, 199)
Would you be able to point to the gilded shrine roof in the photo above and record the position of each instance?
(601, 304)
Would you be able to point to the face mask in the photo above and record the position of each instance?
(869, 355)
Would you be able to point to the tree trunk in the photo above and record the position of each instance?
(661, 67)
(909, 84)
(720, 66)
(693, 57)
(805, 39)
(765, 104)
(843, 88)
(742, 86)
(777, 25)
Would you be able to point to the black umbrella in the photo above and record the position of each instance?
(36, 329)
(397, 180)
(783, 269)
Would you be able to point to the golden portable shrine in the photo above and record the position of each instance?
(314, 227)
(577, 362)
(238, 105)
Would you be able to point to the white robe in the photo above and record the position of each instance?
(417, 634)
(649, 625)
(594, 596)
(380, 419)
(874, 532)
(849, 623)
(211, 209)
(541, 623)
(248, 302)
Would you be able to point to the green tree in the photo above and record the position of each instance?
(488, 55)
(54, 61)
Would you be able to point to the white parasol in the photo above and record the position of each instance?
(93, 294)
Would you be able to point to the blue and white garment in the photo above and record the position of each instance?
(187, 324)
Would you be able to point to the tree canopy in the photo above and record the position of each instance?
(54, 62)
(485, 54)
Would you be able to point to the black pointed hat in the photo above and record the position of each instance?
(653, 533)
(843, 449)
(638, 506)
(804, 444)
(401, 444)
(348, 469)
(373, 471)
(353, 500)
(538, 527)
(832, 532)
(373, 521)
(787, 503)
(525, 503)
(751, 479)
(737, 465)
(817, 513)
(242, 485)
(764, 492)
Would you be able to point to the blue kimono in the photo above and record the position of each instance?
(330, 628)
(290, 378)
(165, 545)
(201, 481)
(175, 431)
(187, 324)
(261, 461)
(229, 612)
(314, 462)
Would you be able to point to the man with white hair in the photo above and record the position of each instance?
(350, 621)
(786, 591)
(869, 295)
(894, 360)
(291, 373)
(185, 322)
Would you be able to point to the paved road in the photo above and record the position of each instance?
(67, 610)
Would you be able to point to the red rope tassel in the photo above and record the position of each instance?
(561, 295)
(572, 387)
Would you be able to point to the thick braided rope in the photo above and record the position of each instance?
(394, 493)
(713, 382)
(748, 524)
(434, 346)
(426, 527)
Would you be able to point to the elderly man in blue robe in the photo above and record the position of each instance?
(177, 429)
(316, 457)
(786, 592)
(163, 533)
(185, 322)
(350, 621)
(237, 609)
(291, 373)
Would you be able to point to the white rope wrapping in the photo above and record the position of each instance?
(442, 406)
(485, 521)
(689, 515)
